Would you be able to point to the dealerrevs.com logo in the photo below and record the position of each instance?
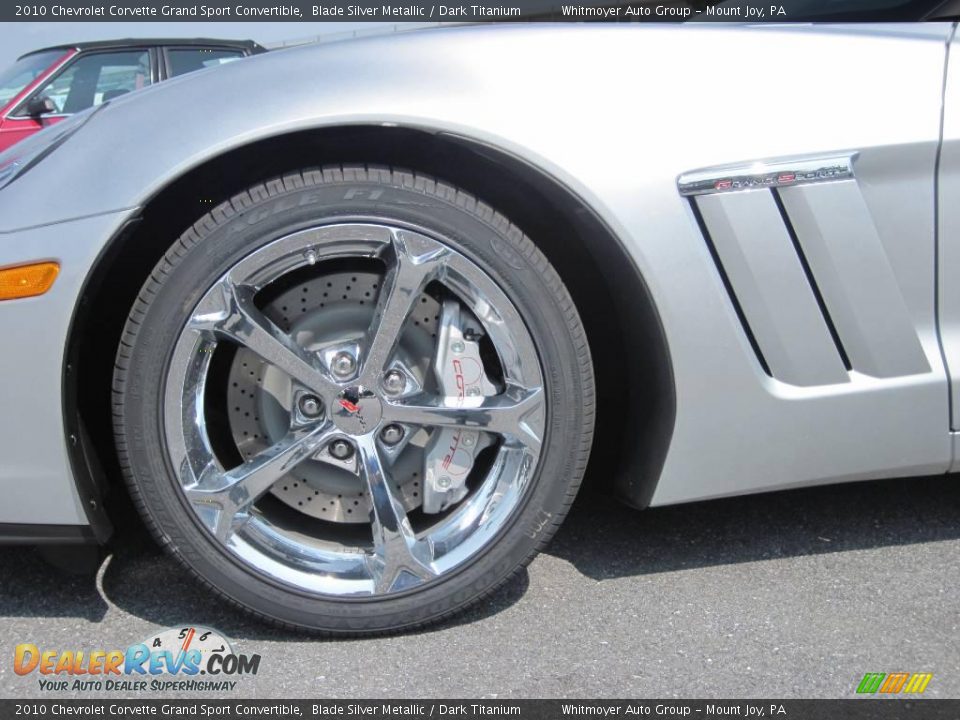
(177, 659)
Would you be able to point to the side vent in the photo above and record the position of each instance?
(805, 269)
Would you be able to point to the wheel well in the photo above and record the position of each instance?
(626, 339)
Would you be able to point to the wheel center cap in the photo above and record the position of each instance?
(357, 411)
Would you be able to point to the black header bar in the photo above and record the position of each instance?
(854, 709)
(476, 11)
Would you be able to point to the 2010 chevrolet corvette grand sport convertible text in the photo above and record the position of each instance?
(348, 332)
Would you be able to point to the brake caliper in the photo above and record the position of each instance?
(459, 371)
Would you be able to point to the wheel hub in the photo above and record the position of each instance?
(357, 411)
(333, 308)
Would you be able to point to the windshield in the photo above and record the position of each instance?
(23, 72)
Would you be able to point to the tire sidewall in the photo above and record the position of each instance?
(456, 220)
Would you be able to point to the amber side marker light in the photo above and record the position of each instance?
(27, 280)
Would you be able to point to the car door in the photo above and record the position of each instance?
(88, 80)
(16, 85)
(948, 206)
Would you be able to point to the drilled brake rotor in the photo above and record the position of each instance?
(336, 307)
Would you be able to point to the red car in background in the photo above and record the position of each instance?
(46, 86)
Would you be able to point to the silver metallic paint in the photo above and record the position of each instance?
(616, 114)
(949, 236)
(861, 293)
(35, 470)
(768, 278)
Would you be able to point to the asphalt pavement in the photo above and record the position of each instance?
(793, 594)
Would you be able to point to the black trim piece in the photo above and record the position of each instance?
(791, 231)
(30, 534)
(88, 474)
(729, 286)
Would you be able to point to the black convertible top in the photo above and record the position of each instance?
(248, 45)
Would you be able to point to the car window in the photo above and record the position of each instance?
(95, 78)
(24, 71)
(185, 60)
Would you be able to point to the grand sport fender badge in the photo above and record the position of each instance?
(773, 174)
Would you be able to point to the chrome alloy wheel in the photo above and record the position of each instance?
(354, 371)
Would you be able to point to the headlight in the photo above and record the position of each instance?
(23, 156)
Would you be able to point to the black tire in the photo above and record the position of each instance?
(266, 211)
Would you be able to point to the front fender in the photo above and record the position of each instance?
(615, 114)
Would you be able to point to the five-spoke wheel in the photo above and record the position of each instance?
(334, 370)
(354, 396)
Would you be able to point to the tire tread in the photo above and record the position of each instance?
(296, 181)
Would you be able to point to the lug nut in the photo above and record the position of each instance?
(394, 382)
(391, 434)
(341, 449)
(343, 365)
(311, 406)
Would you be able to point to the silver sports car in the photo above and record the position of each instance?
(347, 322)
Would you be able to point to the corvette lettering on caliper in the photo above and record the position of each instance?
(452, 451)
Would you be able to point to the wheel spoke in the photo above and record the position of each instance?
(399, 560)
(230, 312)
(416, 261)
(312, 399)
(226, 497)
(515, 413)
